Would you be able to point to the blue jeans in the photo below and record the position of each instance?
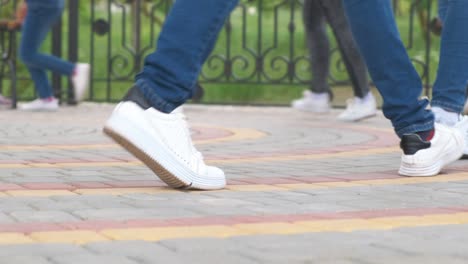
(186, 40)
(41, 16)
(443, 7)
(392, 70)
(449, 91)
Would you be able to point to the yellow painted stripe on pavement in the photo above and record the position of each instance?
(72, 237)
(226, 231)
(236, 134)
(14, 239)
(284, 158)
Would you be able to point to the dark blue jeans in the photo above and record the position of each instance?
(41, 16)
(376, 33)
(453, 68)
(187, 38)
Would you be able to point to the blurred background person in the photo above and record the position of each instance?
(317, 99)
(40, 16)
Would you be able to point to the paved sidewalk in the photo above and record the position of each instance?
(302, 189)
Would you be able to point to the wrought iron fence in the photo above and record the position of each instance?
(262, 42)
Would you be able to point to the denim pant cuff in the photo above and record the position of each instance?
(414, 128)
(447, 106)
(153, 98)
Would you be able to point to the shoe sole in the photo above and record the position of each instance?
(312, 111)
(157, 168)
(357, 119)
(435, 168)
(178, 177)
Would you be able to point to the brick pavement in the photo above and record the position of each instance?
(302, 189)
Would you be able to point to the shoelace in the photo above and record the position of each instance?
(196, 153)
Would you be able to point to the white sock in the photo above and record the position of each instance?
(445, 117)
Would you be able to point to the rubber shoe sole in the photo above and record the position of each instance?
(159, 170)
(361, 118)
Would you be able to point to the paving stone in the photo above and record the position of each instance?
(201, 257)
(40, 250)
(5, 218)
(60, 206)
(43, 216)
(9, 204)
(92, 259)
(27, 260)
(134, 249)
(122, 214)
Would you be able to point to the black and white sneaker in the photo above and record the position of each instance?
(427, 158)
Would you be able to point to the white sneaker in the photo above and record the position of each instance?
(80, 80)
(462, 126)
(427, 158)
(40, 105)
(359, 108)
(452, 119)
(313, 102)
(162, 142)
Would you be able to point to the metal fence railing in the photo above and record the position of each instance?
(261, 43)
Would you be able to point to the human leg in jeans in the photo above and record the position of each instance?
(149, 122)
(449, 91)
(41, 16)
(426, 147)
(315, 14)
(443, 8)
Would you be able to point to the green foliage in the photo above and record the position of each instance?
(7, 10)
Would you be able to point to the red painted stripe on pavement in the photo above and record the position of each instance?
(96, 225)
